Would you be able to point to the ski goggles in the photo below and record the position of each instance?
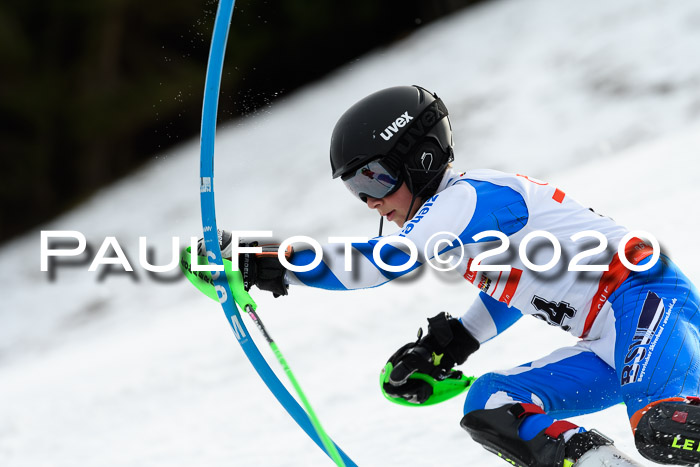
(373, 179)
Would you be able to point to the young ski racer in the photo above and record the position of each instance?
(636, 314)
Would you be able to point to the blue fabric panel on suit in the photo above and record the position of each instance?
(502, 315)
(321, 276)
(497, 208)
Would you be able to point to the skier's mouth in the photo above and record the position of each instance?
(391, 215)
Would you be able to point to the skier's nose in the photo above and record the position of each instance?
(373, 203)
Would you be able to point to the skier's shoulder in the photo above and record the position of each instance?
(487, 185)
(474, 177)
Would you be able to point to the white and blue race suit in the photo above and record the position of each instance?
(639, 330)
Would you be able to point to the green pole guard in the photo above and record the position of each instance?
(442, 390)
(204, 283)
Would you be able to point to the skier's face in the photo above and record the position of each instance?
(394, 207)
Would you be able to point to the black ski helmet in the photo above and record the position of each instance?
(407, 125)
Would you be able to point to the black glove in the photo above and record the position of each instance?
(263, 269)
(447, 343)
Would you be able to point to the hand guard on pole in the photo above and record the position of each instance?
(447, 343)
(262, 269)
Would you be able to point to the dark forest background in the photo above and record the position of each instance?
(90, 90)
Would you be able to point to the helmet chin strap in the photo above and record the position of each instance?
(414, 197)
(409, 182)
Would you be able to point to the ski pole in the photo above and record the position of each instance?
(325, 439)
(204, 282)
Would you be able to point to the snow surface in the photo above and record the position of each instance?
(600, 98)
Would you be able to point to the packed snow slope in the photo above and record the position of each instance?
(103, 368)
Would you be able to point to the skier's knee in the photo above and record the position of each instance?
(669, 432)
(483, 389)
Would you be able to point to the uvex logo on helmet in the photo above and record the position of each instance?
(421, 127)
(392, 129)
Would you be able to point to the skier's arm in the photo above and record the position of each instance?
(452, 214)
(330, 273)
(487, 317)
(450, 211)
